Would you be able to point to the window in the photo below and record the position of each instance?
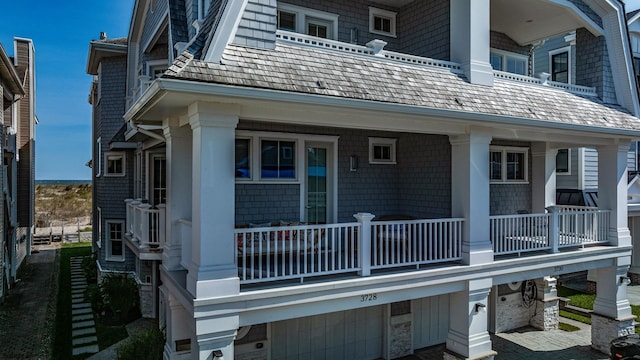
(559, 65)
(99, 156)
(563, 162)
(114, 164)
(382, 150)
(508, 164)
(308, 21)
(115, 243)
(243, 163)
(509, 62)
(382, 22)
(158, 179)
(278, 160)
(156, 68)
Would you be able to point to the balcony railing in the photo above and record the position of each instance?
(560, 227)
(303, 251)
(144, 224)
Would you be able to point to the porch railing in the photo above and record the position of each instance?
(143, 223)
(560, 227)
(303, 251)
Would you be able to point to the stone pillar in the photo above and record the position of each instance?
(213, 271)
(547, 314)
(612, 315)
(468, 337)
(470, 195)
(612, 190)
(178, 152)
(470, 39)
(543, 177)
(398, 330)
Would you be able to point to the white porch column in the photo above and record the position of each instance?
(213, 271)
(612, 190)
(468, 337)
(470, 194)
(543, 177)
(470, 39)
(212, 341)
(612, 315)
(178, 152)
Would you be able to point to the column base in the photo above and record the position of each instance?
(449, 355)
(605, 329)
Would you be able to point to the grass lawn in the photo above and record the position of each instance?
(585, 301)
(107, 335)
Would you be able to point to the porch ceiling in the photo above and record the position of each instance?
(529, 21)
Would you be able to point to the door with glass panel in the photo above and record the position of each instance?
(319, 183)
(158, 181)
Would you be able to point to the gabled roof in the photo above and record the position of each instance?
(300, 69)
(9, 72)
(100, 49)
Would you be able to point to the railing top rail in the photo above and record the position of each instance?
(419, 221)
(517, 216)
(295, 227)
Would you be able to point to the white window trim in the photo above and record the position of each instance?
(303, 13)
(99, 241)
(383, 141)
(255, 138)
(568, 163)
(510, 149)
(373, 12)
(108, 255)
(106, 163)
(506, 54)
(566, 49)
(152, 64)
(99, 153)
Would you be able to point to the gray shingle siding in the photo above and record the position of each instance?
(179, 25)
(501, 41)
(418, 185)
(580, 4)
(258, 25)
(592, 65)
(155, 15)
(422, 20)
(507, 199)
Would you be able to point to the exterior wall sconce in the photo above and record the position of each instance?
(480, 307)
(217, 354)
(624, 280)
(353, 163)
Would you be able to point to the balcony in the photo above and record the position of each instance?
(367, 247)
(145, 229)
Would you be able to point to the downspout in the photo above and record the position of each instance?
(532, 49)
(147, 132)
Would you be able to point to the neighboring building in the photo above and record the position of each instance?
(17, 173)
(260, 138)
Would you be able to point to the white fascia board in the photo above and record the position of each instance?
(226, 30)
(160, 87)
(589, 24)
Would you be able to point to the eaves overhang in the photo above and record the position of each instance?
(170, 98)
(99, 50)
(8, 71)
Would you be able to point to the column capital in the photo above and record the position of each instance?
(474, 137)
(204, 114)
(542, 149)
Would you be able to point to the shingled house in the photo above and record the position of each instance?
(315, 180)
(17, 170)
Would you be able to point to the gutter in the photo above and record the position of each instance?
(162, 86)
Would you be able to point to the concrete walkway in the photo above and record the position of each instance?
(27, 315)
(83, 333)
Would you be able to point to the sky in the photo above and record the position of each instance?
(61, 32)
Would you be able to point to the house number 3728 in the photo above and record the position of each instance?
(368, 297)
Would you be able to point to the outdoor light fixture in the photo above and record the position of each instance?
(480, 307)
(217, 354)
(353, 163)
(624, 280)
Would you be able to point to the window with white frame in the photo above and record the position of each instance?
(114, 164)
(99, 156)
(382, 22)
(115, 239)
(563, 162)
(243, 158)
(560, 65)
(308, 21)
(155, 68)
(382, 150)
(509, 62)
(508, 164)
(278, 159)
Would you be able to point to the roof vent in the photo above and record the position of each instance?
(103, 35)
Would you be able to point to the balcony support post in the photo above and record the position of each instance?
(543, 176)
(553, 231)
(178, 151)
(364, 242)
(470, 39)
(612, 190)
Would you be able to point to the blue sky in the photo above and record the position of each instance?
(61, 32)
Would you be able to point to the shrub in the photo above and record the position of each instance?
(120, 295)
(146, 346)
(90, 269)
(93, 295)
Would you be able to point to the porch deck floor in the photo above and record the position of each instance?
(533, 344)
